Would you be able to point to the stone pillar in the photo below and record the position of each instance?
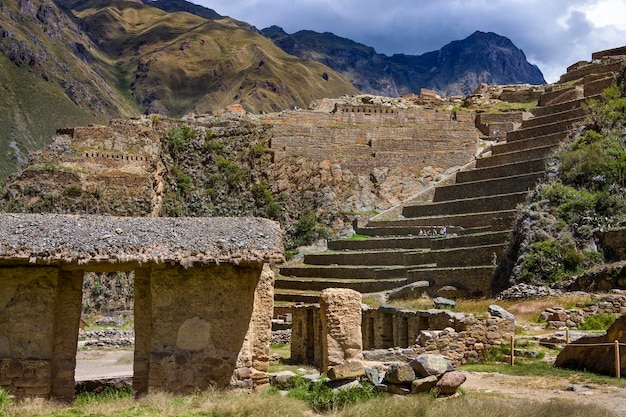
(66, 321)
(340, 312)
(306, 346)
(28, 302)
(200, 317)
(143, 331)
(254, 358)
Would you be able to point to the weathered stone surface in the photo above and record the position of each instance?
(444, 303)
(340, 311)
(598, 359)
(350, 370)
(282, 380)
(428, 364)
(409, 292)
(421, 385)
(497, 311)
(400, 373)
(450, 382)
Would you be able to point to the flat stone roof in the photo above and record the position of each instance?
(88, 239)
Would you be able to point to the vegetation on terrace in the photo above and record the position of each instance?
(585, 193)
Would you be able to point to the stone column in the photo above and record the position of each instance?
(340, 312)
(143, 331)
(254, 358)
(68, 307)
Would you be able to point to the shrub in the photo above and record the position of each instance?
(322, 398)
(179, 137)
(184, 182)
(265, 200)
(598, 322)
(231, 172)
(308, 228)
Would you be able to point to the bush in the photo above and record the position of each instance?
(5, 400)
(598, 322)
(308, 229)
(322, 398)
(265, 200)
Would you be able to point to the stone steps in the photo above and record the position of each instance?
(515, 168)
(478, 212)
(553, 139)
(501, 185)
(419, 242)
(466, 223)
(584, 70)
(345, 271)
(554, 117)
(542, 130)
(458, 257)
(367, 258)
(296, 296)
(540, 152)
(319, 284)
(479, 204)
(474, 281)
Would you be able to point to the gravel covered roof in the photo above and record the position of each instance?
(84, 239)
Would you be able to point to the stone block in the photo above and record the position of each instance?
(400, 373)
(421, 385)
(350, 370)
(428, 364)
(450, 382)
(340, 312)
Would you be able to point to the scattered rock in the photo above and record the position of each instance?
(350, 370)
(421, 385)
(426, 365)
(497, 311)
(400, 373)
(444, 303)
(409, 292)
(450, 382)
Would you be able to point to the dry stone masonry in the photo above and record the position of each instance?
(203, 298)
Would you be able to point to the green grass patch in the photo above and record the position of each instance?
(598, 322)
(322, 398)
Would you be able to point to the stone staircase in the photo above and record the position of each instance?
(477, 211)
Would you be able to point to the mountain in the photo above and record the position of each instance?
(75, 62)
(457, 68)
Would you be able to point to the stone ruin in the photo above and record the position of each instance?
(388, 333)
(203, 298)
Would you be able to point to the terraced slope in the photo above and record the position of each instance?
(477, 211)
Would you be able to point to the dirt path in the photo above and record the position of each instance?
(545, 389)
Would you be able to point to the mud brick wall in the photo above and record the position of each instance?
(367, 137)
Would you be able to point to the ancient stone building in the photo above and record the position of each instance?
(203, 298)
(362, 137)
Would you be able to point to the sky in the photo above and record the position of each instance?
(552, 33)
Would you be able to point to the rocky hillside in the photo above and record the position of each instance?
(66, 62)
(457, 68)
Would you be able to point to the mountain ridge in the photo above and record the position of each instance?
(445, 71)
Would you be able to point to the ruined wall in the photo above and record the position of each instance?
(40, 309)
(364, 137)
(457, 336)
(254, 357)
(197, 333)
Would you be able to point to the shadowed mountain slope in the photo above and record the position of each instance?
(458, 68)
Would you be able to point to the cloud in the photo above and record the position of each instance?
(552, 33)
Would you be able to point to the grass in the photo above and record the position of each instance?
(270, 404)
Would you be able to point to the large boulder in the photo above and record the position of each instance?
(450, 382)
(350, 370)
(429, 364)
(400, 373)
(598, 359)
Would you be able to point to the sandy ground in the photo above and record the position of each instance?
(96, 364)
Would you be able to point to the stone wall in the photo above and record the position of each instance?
(197, 334)
(364, 137)
(458, 336)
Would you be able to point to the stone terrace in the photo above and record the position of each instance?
(477, 210)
